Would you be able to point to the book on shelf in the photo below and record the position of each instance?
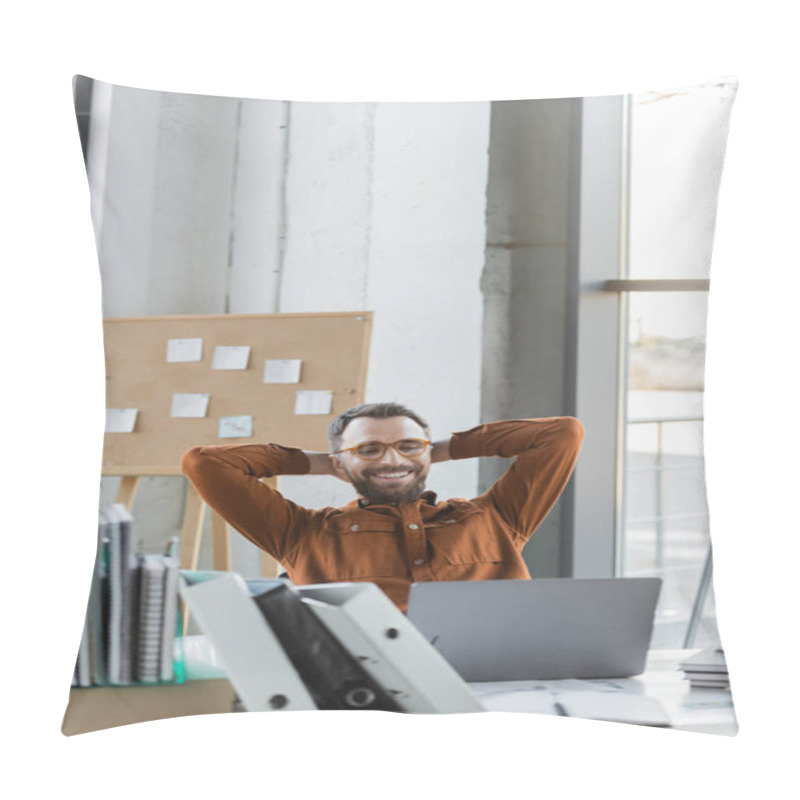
(170, 627)
(151, 607)
(131, 619)
(123, 570)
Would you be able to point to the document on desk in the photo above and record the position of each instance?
(608, 702)
(519, 702)
(629, 685)
(613, 707)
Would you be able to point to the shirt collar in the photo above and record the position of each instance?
(428, 497)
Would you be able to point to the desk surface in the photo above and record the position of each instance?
(208, 691)
(701, 710)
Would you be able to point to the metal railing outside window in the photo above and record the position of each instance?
(665, 531)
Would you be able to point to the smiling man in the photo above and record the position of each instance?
(396, 533)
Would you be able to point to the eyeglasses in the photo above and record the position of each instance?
(372, 451)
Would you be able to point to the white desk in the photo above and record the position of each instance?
(701, 710)
(207, 691)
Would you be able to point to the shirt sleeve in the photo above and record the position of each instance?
(546, 451)
(227, 478)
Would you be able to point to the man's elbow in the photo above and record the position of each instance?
(191, 461)
(572, 429)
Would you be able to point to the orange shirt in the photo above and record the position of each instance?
(394, 546)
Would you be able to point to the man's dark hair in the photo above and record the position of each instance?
(374, 410)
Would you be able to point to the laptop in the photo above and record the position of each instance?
(540, 629)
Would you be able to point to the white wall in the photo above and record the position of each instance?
(415, 210)
(215, 205)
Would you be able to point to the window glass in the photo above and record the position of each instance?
(665, 516)
(675, 146)
(671, 166)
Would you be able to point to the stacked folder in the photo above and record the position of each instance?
(131, 618)
(707, 669)
(338, 646)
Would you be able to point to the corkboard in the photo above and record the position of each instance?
(332, 346)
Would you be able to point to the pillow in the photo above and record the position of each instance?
(268, 264)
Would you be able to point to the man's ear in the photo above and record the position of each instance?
(338, 469)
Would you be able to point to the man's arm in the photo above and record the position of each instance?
(227, 478)
(440, 451)
(319, 463)
(546, 451)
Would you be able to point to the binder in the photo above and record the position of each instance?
(335, 678)
(90, 667)
(115, 600)
(82, 675)
(390, 648)
(98, 609)
(122, 596)
(257, 666)
(367, 626)
(130, 594)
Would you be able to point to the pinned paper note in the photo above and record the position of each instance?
(189, 405)
(235, 427)
(313, 402)
(184, 350)
(231, 357)
(121, 420)
(282, 370)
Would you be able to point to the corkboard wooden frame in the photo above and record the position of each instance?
(333, 347)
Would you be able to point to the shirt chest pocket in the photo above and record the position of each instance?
(467, 538)
(364, 549)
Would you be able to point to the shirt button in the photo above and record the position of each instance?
(354, 527)
(419, 561)
(414, 526)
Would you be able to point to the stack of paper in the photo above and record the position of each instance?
(130, 626)
(707, 669)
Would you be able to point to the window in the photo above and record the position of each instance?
(664, 525)
(668, 215)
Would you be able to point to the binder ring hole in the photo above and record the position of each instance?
(278, 701)
(359, 698)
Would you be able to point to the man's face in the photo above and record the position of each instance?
(393, 478)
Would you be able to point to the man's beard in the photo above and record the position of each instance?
(407, 493)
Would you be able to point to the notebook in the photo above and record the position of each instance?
(541, 629)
